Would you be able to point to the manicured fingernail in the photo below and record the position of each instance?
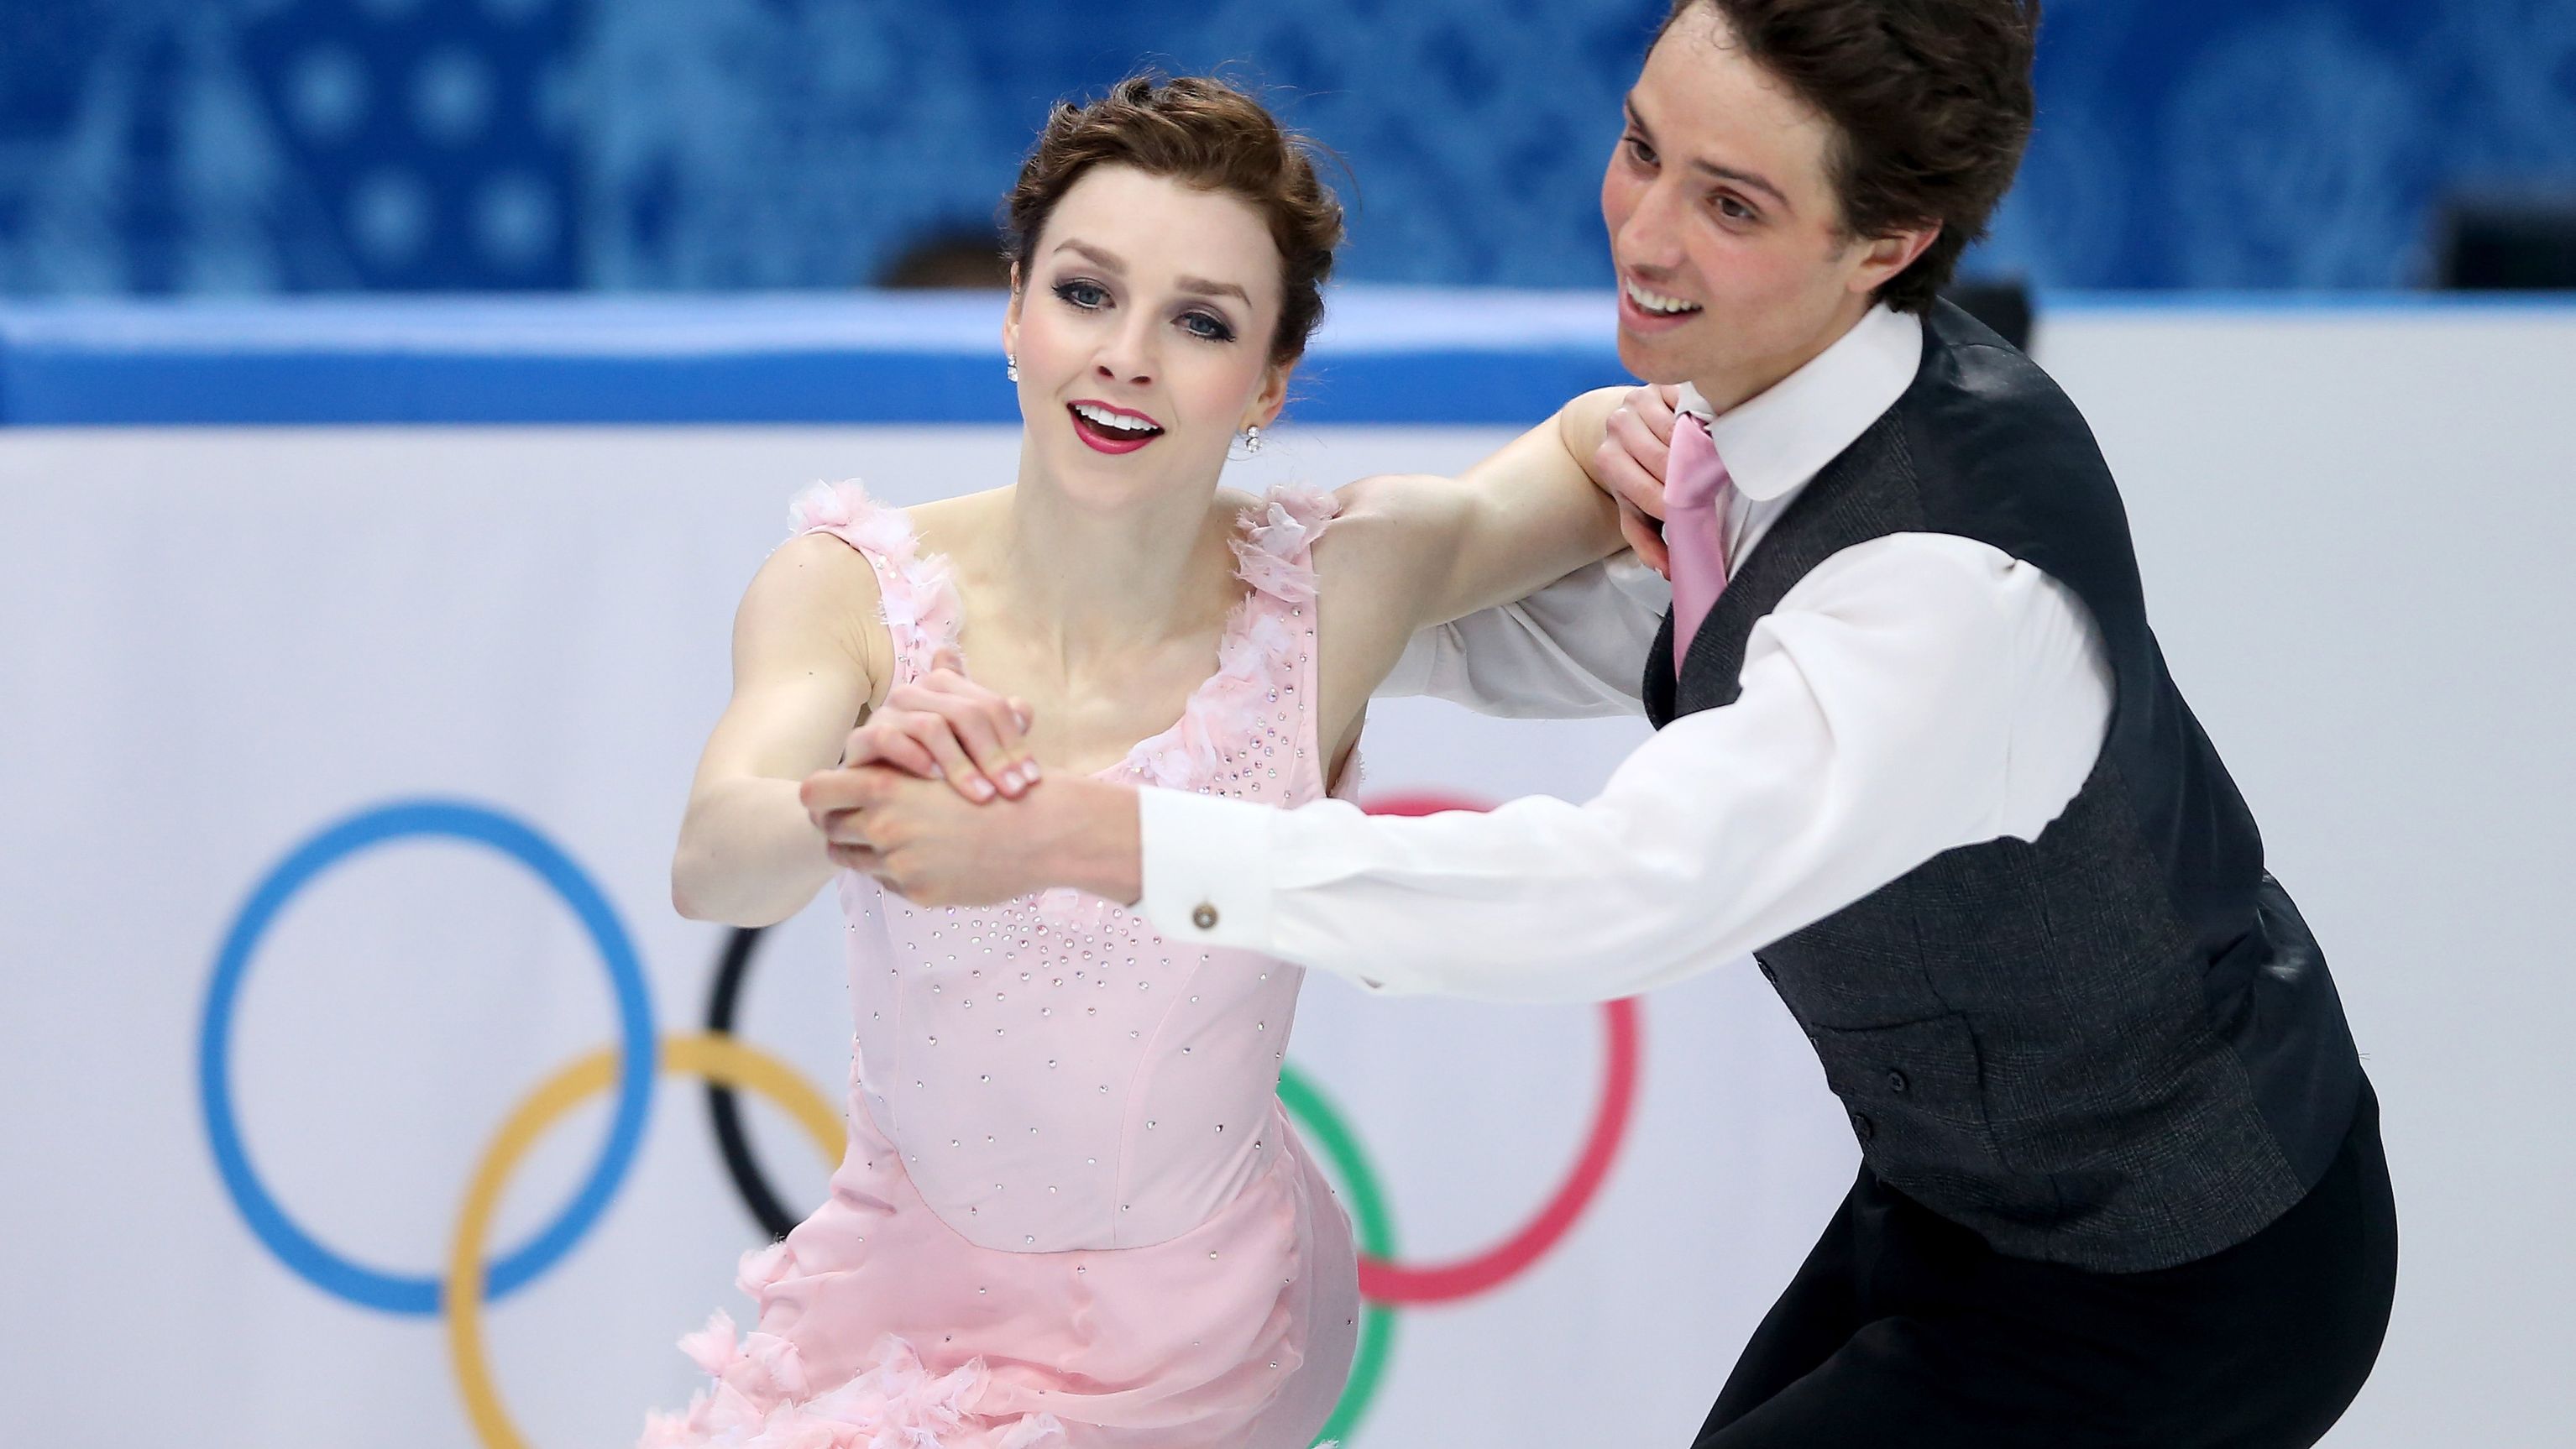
(1029, 772)
(980, 788)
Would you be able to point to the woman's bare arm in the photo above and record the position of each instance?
(807, 656)
(1413, 550)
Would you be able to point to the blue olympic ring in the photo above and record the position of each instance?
(299, 1250)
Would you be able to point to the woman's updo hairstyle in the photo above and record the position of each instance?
(1205, 133)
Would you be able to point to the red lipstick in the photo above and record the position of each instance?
(1108, 437)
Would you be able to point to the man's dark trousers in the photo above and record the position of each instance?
(1905, 1329)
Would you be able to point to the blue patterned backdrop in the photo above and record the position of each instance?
(298, 145)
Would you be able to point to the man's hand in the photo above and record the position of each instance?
(945, 726)
(1630, 465)
(936, 848)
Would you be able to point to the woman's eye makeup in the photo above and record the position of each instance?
(1207, 325)
(1089, 296)
(1638, 150)
(1733, 208)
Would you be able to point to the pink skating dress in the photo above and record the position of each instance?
(1072, 1210)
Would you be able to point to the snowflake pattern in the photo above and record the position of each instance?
(246, 146)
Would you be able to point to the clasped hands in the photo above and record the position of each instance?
(937, 795)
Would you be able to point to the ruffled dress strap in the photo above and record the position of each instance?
(1309, 510)
(918, 596)
(1264, 681)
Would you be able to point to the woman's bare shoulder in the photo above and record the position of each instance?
(817, 568)
(1391, 522)
(814, 607)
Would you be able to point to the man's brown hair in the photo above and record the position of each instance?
(1931, 105)
(1203, 132)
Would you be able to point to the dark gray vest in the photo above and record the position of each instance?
(2116, 1046)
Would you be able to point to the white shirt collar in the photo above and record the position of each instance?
(1779, 438)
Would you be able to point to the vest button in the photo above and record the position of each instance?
(1896, 1082)
(1862, 1127)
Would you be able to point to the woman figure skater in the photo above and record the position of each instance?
(1072, 1209)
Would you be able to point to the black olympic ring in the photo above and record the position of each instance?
(748, 1179)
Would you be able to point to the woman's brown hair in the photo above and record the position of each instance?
(1931, 101)
(1205, 133)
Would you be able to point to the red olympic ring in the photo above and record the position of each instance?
(1383, 1281)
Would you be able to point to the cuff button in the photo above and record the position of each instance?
(1204, 917)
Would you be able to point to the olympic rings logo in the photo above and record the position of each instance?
(473, 1277)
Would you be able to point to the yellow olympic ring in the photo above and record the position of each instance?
(717, 1058)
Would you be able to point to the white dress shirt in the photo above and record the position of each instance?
(1912, 694)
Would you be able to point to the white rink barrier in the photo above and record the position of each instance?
(351, 672)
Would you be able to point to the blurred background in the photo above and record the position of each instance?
(395, 396)
(257, 146)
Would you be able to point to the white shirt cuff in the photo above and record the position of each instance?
(1206, 863)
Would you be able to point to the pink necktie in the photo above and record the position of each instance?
(1695, 487)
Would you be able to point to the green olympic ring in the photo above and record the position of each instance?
(1375, 1229)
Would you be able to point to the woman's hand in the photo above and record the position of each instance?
(945, 726)
(935, 849)
(1630, 465)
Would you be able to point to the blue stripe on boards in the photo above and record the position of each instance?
(1386, 355)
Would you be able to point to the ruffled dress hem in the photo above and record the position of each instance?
(763, 1396)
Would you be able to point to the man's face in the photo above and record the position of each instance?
(1734, 269)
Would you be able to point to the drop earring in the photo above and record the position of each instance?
(1251, 440)
(1011, 366)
